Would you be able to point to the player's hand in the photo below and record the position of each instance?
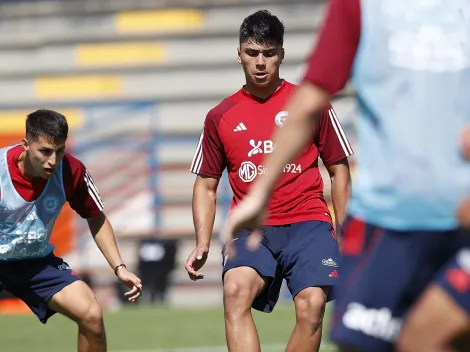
(463, 213)
(465, 142)
(131, 281)
(196, 261)
(249, 214)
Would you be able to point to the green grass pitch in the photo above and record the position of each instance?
(148, 329)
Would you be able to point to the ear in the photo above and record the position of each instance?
(25, 144)
(283, 53)
(238, 53)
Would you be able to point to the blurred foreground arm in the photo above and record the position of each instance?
(304, 107)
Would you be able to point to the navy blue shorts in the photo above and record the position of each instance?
(305, 254)
(383, 273)
(35, 281)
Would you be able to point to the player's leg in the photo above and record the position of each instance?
(78, 303)
(433, 324)
(441, 317)
(48, 285)
(241, 286)
(309, 258)
(309, 310)
(381, 275)
(248, 279)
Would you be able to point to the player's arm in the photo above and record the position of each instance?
(83, 196)
(208, 164)
(103, 234)
(203, 206)
(334, 149)
(104, 237)
(340, 183)
(86, 200)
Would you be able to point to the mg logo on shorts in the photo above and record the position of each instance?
(247, 171)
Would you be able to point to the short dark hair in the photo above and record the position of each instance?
(48, 124)
(263, 28)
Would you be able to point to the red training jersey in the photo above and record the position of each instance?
(236, 135)
(79, 187)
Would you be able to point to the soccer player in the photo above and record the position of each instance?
(410, 64)
(298, 233)
(36, 179)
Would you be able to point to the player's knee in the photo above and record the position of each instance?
(238, 295)
(310, 307)
(92, 319)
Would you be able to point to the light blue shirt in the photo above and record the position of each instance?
(26, 227)
(412, 76)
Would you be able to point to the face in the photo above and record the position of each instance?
(261, 63)
(43, 156)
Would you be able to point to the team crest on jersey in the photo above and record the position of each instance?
(51, 204)
(280, 118)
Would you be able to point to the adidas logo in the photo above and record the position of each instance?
(334, 273)
(33, 216)
(329, 262)
(240, 127)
